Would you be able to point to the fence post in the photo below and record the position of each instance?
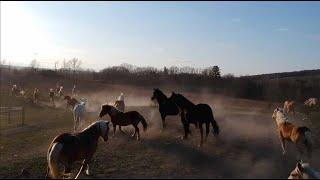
(23, 115)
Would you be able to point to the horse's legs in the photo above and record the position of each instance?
(163, 118)
(114, 129)
(138, 132)
(283, 143)
(185, 126)
(207, 130)
(48, 172)
(84, 164)
(201, 134)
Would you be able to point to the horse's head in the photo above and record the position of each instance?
(105, 109)
(103, 127)
(155, 94)
(276, 111)
(67, 98)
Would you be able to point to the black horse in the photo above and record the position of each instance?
(166, 105)
(195, 114)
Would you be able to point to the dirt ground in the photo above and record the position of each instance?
(248, 146)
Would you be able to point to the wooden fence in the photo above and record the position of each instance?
(11, 114)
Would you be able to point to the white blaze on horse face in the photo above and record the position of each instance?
(279, 116)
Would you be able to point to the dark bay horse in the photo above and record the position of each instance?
(71, 101)
(166, 105)
(124, 119)
(195, 114)
(68, 148)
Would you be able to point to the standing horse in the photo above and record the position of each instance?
(195, 114)
(166, 105)
(71, 101)
(291, 133)
(124, 119)
(68, 148)
(304, 171)
(36, 95)
(78, 114)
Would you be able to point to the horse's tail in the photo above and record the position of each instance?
(53, 159)
(143, 121)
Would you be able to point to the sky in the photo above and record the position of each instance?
(242, 38)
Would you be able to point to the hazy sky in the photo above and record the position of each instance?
(240, 37)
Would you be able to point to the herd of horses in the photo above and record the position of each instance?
(68, 148)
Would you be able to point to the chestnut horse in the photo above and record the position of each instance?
(195, 114)
(304, 171)
(291, 133)
(71, 101)
(289, 106)
(166, 105)
(68, 148)
(124, 119)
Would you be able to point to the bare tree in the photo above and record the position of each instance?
(75, 64)
(34, 65)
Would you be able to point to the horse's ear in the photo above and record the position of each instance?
(299, 165)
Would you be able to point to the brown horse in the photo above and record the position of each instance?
(289, 106)
(291, 133)
(124, 119)
(71, 101)
(68, 148)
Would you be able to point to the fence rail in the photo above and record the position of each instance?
(14, 109)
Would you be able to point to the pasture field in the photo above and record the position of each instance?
(248, 146)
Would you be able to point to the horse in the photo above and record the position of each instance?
(195, 114)
(289, 106)
(166, 105)
(36, 95)
(304, 171)
(73, 92)
(60, 93)
(78, 113)
(51, 95)
(68, 148)
(14, 90)
(310, 105)
(71, 101)
(124, 119)
(291, 133)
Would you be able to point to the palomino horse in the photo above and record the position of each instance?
(288, 107)
(291, 133)
(310, 105)
(304, 171)
(195, 114)
(124, 119)
(78, 114)
(68, 148)
(71, 101)
(166, 105)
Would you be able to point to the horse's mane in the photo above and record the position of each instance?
(185, 99)
(162, 95)
(91, 126)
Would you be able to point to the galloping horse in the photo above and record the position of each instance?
(78, 114)
(71, 101)
(288, 107)
(68, 148)
(195, 114)
(124, 119)
(166, 105)
(304, 171)
(310, 105)
(289, 132)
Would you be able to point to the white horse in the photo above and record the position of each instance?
(78, 113)
(304, 171)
